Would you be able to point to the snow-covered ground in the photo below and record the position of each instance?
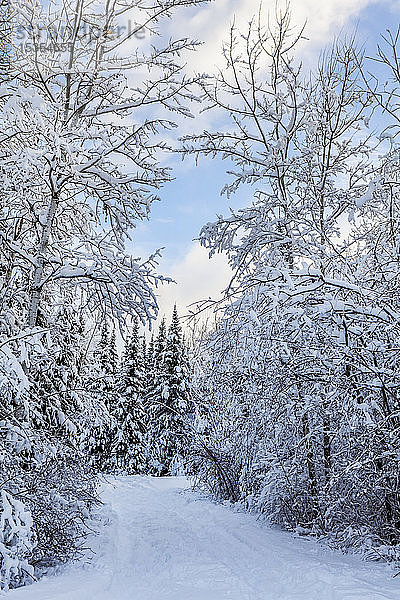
(162, 544)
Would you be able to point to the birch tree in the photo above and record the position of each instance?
(82, 127)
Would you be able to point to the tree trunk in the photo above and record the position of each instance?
(36, 288)
(311, 471)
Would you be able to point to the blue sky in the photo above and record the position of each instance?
(194, 197)
(191, 200)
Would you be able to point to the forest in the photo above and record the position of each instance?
(285, 401)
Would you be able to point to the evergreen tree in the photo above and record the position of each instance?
(160, 345)
(176, 395)
(150, 369)
(113, 354)
(105, 351)
(55, 371)
(176, 365)
(69, 355)
(145, 365)
(169, 404)
(130, 415)
(103, 388)
(133, 361)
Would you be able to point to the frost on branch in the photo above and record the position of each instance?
(79, 154)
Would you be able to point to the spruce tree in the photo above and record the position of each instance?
(101, 350)
(150, 370)
(176, 366)
(113, 355)
(55, 372)
(130, 416)
(155, 384)
(103, 388)
(170, 400)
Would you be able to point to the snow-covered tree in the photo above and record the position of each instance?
(80, 155)
(105, 359)
(133, 362)
(16, 542)
(298, 387)
(169, 403)
(40, 468)
(79, 165)
(130, 415)
(103, 387)
(55, 373)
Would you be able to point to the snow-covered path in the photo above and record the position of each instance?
(165, 545)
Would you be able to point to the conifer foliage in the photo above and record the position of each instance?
(103, 388)
(168, 400)
(130, 415)
(143, 408)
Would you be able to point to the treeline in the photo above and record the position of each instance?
(148, 411)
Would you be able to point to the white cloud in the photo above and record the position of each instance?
(211, 23)
(197, 278)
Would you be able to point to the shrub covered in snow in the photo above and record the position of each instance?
(17, 542)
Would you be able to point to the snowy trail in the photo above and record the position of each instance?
(164, 545)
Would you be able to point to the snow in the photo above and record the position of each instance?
(164, 542)
(367, 197)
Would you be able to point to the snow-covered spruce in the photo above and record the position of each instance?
(131, 414)
(168, 401)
